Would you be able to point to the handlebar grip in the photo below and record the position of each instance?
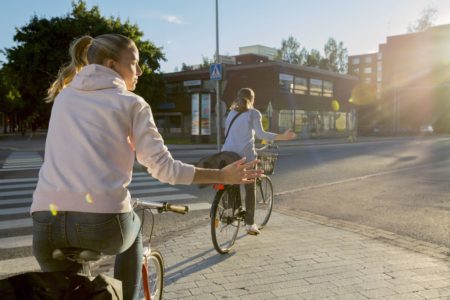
(179, 209)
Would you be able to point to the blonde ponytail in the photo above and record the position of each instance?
(78, 50)
(244, 100)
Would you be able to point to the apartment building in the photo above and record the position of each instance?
(410, 77)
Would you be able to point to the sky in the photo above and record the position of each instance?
(186, 29)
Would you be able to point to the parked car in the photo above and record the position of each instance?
(426, 129)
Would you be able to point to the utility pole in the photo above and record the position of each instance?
(218, 112)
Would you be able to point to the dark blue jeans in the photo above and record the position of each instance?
(111, 234)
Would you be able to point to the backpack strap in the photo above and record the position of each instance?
(231, 123)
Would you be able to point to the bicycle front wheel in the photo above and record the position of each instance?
(224, 223)
(264, 201)
(152, 275)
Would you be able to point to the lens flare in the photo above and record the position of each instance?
(88, 198)
(335, 105)
(363, 94)
(53, 209)
(340, 123)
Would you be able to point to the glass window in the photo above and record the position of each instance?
(368, 80)
(285, 119)
(368, 59)
(356, 70)
(315, 87)
(300, 85)
(379, 67)
(355, 60)
(327, 88)
(300, 120)
(367, 70)
(380, 55)
(286, 83)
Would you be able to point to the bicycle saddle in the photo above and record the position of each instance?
(76, 254)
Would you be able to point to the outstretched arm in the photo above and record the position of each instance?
(285, 136)
(238, 172)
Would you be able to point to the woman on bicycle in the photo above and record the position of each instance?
(97, 126)
(241, 139)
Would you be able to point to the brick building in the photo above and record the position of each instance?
(410, 75)
(288, 96)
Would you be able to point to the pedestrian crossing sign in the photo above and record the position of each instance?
(215, 72)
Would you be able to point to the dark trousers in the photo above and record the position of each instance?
(250, 202)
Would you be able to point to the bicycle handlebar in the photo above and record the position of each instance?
(162, 206)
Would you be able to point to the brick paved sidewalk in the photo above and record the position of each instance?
(295, 258)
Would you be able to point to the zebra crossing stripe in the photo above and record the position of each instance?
(15, 210)
(163, 198)
(133, 191)
(18, 265)
(16, 241)
(18, 161)
(4, 181)
(16, 193)
(20, 169)
(18, 223)
(15, 186)
(15, 201)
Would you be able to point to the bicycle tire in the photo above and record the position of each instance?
(152, 275)
(264, 201)
(224, 223)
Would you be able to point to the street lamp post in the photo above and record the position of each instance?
(218, 112)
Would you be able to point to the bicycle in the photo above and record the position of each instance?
(227, 211)
(152, 261)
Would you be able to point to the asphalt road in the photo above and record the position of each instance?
(397, 185)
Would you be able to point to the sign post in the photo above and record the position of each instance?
(217, 72)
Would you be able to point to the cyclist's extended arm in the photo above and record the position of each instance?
(238, 172)
(285, 136)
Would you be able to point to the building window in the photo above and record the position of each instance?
(300, 85)
(327, 88)
(356, 60)
(368, 70)
(286, 83)
(368, 59)
(380, 55)
(356, 70)
(379, 67)
(315, 87)
(368, 80)
(285, 119)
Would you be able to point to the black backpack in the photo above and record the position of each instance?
(60, 286)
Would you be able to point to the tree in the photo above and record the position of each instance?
(185, 67)
(206, 62)
(336, 56)
(425, 21)
(314, 59)
(42, 48)
(10, 101)
(291, 51)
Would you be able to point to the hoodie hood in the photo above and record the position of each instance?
(97, 77)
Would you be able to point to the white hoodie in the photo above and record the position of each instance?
(96, 126)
